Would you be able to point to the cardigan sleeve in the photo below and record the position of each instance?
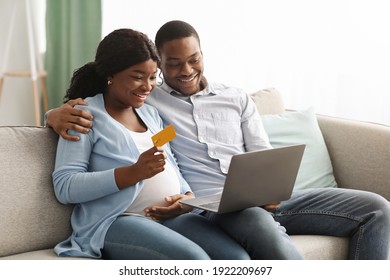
(73, 183)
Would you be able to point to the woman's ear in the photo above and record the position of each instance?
(109, 80)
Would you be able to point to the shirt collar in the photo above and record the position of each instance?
(209, 90)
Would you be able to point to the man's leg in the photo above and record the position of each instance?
(364, 217)
(256, 230)
(217, 244)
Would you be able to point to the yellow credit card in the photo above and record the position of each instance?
(164, 136)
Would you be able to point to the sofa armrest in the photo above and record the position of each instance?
(360, 153)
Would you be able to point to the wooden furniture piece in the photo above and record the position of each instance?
(36, 71)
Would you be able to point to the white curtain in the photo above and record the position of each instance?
(331, 54)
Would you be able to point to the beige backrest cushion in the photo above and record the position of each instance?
(31, 217)
(268, 101)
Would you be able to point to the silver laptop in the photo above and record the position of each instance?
(255, 179)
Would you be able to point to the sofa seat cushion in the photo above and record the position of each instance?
(320, 247)
(313, 247)
(46, 254)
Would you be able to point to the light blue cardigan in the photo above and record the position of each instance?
(84, 176)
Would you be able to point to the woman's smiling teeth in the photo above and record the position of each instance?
(141, 96)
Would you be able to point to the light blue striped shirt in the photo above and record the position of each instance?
(211, 126)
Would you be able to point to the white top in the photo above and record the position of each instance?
(157, 187)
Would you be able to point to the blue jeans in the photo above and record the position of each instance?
(138, 238)
(362, 216)
(256, 230)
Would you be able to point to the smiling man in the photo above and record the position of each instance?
(214, 122)
(182, 73)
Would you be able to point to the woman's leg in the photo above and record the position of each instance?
(138, 238)
(217, 244)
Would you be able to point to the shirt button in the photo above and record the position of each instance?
(201, 139)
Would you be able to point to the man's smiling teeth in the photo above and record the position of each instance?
(189, 80)
(140, 96)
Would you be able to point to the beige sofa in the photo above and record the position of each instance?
(33, 221)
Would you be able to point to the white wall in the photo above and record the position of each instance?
(16, 101)
(329, 54)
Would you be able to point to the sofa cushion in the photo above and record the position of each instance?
(45, 254)
(32, 218)
(359, 152)
(321, 247)
(268, 101)
(296, 127)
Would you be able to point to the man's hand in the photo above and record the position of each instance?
(173, 210)
(271, 207)
(67, 117)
